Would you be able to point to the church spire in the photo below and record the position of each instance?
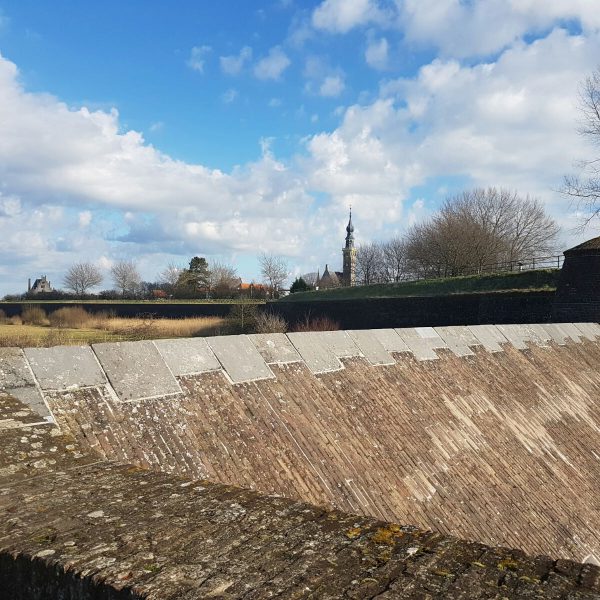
(350, 232)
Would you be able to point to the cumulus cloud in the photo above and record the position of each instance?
(332, 86)
(54, 158)
(340, 16)
(273, 65)
(197, 58)
(233, 65)
(510, 122)
(487, 26)
(376, 53)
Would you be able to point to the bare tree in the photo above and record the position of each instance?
(274, 270)
(478, 228)
(223, 279)
(81, 277)
(369, 264)
(585, 190)
(310, 278)
(126, 277)
(170, 275)
(395, 261)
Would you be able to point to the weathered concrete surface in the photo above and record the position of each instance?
(489, 336)
(240, 358)
(317, 356)
(370, 347)
(498, 447)
(64, 367)
(390, 340)
(188, 356)
(422, 341)
(275, 348)
(76, 527)
(136, 370)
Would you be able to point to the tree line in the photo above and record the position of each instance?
(471, 231)
(200, 279)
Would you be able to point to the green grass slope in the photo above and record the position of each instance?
(543, 279)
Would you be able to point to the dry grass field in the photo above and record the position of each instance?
(74, 326)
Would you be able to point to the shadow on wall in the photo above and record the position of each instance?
(27, 578)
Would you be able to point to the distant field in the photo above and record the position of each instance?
(543, 279)
(95, 330)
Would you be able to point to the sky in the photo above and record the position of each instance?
(155, 131)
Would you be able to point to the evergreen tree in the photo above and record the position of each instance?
(299, 285)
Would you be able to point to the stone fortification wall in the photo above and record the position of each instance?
(453, 309)
(78, 528)
(485, 432)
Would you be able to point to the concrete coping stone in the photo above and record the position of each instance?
(314, 352)
(422, 341)
(188, 356)
(32, 397)
(65, 367)
(136, 370)
(571, 331)
(275, 348)
(518, 335)
(240, 358)
(371, 348)
(14, 370)
(540, 333)
(590, 331)
(458, 338)
(338, 342)
(390, 340)
(489, 336)
(557, 335)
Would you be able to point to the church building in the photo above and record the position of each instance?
(346, 277)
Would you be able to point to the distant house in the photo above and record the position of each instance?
(252, 290)
(39, 286)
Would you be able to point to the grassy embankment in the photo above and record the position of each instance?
(524, 281)
(74, 326)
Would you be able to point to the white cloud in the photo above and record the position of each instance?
(157, 126)
(197, 58)
(85, 218)
(229, 96)
(509, 123)
(332, 86)
(482, 27)
(340, 16)
(55, 158)
(275, 102)
(273, 65)
(376, 53)
(232, 65)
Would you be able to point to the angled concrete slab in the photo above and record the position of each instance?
(187, 356)
(541, 333)
(390, 340)
(458, 338)
(557, 335)
(65, 367)
(240, 358)
(371, 348)
(422, 341)
(14, 370)
(519, 335)
(32, 397)
(590, 331)
(136, 370)
(317, 356)
(275, 348)
(339, 342)
(489, 336)
(570, 331)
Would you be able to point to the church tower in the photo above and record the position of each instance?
(349, 253)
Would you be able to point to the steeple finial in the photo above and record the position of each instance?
(350, 231)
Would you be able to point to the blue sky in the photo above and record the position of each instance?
(156, 131)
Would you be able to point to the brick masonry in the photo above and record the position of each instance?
(490, 434)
